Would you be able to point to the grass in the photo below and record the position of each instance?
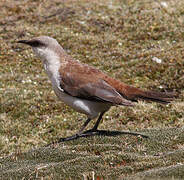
(120, 38)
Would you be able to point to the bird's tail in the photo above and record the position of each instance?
(160, 97)
(135, 94)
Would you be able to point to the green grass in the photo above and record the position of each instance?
(118, 37)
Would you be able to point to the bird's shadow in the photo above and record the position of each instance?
(98, 133)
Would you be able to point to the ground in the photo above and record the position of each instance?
(140, 42)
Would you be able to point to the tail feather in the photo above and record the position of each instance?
(160, 97)
(135, 94)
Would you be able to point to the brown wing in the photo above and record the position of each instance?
(81, 80)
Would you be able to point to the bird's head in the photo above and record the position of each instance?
(44, 47)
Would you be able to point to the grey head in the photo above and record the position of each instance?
(44, 47)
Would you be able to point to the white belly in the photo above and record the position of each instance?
(90, 108)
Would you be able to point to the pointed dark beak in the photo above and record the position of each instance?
(24, 42)
(32, 42)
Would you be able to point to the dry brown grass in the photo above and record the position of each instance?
(118, 37)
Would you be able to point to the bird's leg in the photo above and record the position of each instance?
(77, 135)
(85, 133)
(84, 125)
(98, 121)
(94, 131)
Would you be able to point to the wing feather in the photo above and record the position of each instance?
(86, 82)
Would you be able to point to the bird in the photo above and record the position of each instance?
(87, 89)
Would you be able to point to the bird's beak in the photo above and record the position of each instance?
(24, 42)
